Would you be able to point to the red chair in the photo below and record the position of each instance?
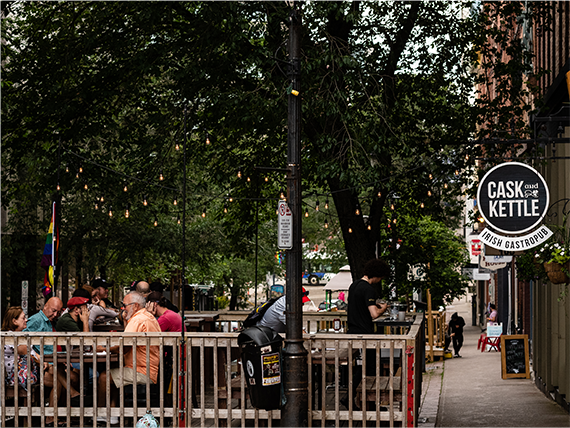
(493, 342)
(482, 339)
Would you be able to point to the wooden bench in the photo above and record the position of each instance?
(384, 387)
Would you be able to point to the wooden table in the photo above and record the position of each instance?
(75, 356)
(390, 326)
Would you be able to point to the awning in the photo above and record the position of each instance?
(341, 281)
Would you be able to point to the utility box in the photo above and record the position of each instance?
(261, 362)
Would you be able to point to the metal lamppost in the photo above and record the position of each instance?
(295, 412)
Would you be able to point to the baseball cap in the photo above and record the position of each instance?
(76, 301)
(306, 296)
(100, 282)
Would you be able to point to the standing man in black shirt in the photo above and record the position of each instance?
(456, 325)
(362, 309)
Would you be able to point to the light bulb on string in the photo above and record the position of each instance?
(80, 168)
(155, 221)
(466, 157)
(125, 187)
(239, 173)
(326, 223)
(282, 194)
(225, 207)
(379, 194)
(207, 138)
(161, 176)
(317, 205)
(456, 172)
(430, 176)
(96, 206)
(248, 179)
(177, 146)
(178, 220)
(102, 198)
(66, 167)
(175, 202)
(204, 213)
(395, 221)
(85, 186)
(369, 227)
(145, 202)
(392, 207)
(429, 192)
(306, 212)
(77, 174)
(349, 229)
(327, 204)
(266, 179)
(127, 213)
(110, 211)
(422, 205)
(58, 187)
(445, 185)
(357, 210)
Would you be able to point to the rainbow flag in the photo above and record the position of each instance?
(49, 257)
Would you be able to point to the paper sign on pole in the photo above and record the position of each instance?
(284, 226)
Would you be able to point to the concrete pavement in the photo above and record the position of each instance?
(469, 391)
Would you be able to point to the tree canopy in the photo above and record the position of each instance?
(112, 88)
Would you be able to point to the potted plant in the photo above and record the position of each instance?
(556, 255)
(529, 268)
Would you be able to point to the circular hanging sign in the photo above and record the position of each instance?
(513, 197)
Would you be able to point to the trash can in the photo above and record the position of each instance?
(261, 362)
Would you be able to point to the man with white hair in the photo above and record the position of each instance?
(137, 319)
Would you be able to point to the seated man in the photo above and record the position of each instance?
(137, 319)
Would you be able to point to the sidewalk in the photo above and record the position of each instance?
(469, 391)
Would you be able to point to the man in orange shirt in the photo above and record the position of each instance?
(137, 319)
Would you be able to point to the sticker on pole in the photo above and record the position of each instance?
(271, 369)
(284, 226)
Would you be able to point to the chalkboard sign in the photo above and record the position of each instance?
(514, 356)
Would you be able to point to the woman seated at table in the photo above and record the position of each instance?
(97, 311)
(16, 320)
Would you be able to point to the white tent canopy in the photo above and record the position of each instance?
(341, 281)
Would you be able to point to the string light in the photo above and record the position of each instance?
(466, 157)
(178, 220)
(430, 177)
(239, 173)
(349, 229)
(422, 205)
(175, 202)
(429, 192)
(204, 212)
(85, 186)
(326, 223)
(327, 204)
(248, 179)
(77, 174)
(225, 207)
(155, 221)
(369, 227)
(317, 205)
(161, 176)
(392, 207)
(306, 212)
(125, 188)
(66, 167)
(207, 138)
(96, 206)
(110, 211)
(127, 214)
(80, 168)
(102, 198)
(394, 221)
(282, 195)
(177, 146)
(357, 210)
(58, 186)
(145, 202)
(266, 179)
(379, 194)
(456, 172)
(230, 199)
(445, 185)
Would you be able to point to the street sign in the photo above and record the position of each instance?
(489, 265)
(284, 226)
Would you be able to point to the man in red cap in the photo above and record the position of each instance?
(77, 317)
(275, 315)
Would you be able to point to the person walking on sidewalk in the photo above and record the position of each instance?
(456, 332)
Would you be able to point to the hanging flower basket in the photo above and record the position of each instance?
(555, 273)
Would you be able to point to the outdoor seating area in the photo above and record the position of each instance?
(212, 359)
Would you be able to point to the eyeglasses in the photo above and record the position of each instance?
(124, 305)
